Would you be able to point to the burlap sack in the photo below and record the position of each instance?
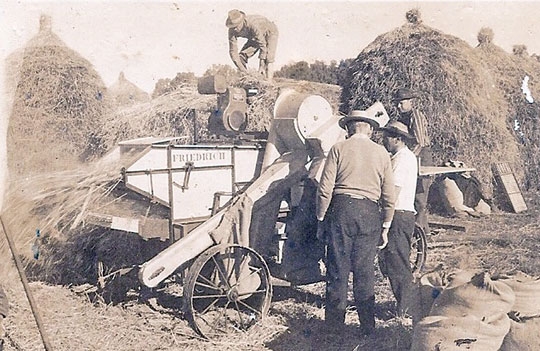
(527, 291)
(523, 336)
(481, 297)
(459, 333)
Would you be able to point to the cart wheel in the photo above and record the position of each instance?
(228, 290)
(418, 249)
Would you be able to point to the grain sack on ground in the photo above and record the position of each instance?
(468, 315)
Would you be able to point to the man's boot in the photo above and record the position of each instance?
(334, 319)
(366, 315)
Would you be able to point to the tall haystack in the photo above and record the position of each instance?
(125, 93)
(57, 106)
(467, 113)
(517, 75)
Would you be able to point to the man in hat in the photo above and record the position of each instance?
(396, 249)
(261, 35)
(4, 308)
(417, 126)
(357, 176)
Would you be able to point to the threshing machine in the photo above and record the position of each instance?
(242, 214)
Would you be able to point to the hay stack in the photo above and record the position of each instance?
(125, 93)
(57, 106)
(509, 72)
(466, 112)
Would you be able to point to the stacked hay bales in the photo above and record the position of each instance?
(125, 93)
(466, 111)
(513, 75)
(57, 106)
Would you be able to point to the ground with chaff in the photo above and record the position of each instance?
(501, 243)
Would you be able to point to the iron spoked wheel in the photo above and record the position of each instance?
(227, 291)
(418, 249)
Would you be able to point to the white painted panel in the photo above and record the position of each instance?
(245, 164)
(196, 200)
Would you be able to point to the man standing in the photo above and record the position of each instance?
(394, 257)
(4, 308)
(417, 126)
(261, 35)
(356, 176)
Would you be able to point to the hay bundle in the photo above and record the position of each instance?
(465, 111)
(165, 116)
(123, 92)
(57, 106)
(517, 78)
(171, 114)
(485, 35)
(72, 251)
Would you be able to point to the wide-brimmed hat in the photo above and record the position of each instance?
(397, 128)
(404, 94)
(375, 115)
(234, 18)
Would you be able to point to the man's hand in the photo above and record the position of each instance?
(384, 238)
(321, 231)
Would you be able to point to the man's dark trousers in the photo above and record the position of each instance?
(395, 264)
(355, 228)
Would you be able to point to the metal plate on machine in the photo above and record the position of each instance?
(198, 173)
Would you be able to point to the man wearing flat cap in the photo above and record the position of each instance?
(356, 178)
(261, 35)
(417, 126)
(396, 249)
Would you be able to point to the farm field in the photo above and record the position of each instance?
(499, 243)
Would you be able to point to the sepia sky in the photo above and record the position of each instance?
(149, 40)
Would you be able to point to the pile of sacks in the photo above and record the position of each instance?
(460, 194)
(470, 310)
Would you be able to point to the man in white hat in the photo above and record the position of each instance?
(420, 144)
(261, 35)
(357, 176)
(396, 249)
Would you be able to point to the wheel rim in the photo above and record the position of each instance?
(228, 291)
(418, 249)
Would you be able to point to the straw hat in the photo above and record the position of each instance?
(398, 128)
(375, 115)
(234, 18)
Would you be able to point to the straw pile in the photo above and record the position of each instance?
(172, 114)
(72, 251)
(467, 112)
(123, 92)
(57, 105)
(510, 72)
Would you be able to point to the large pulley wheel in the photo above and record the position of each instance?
(418, 249)
(227, 291)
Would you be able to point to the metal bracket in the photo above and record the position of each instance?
(189, 167)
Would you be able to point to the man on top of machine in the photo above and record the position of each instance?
(261, 35)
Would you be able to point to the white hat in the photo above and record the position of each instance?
(375, 115)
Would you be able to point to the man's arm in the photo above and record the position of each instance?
(233, 50)
(326, 184)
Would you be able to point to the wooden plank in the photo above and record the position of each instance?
(447, 226)
(505, 177)
(434, 170)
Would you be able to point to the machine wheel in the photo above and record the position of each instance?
(418, 249)
(228, 290)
